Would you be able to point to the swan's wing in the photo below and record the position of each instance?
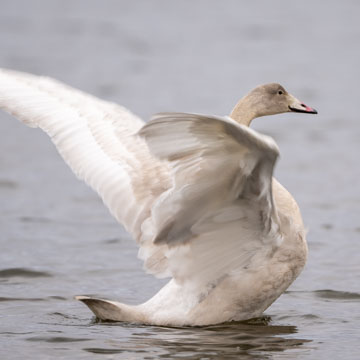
(219, 214)
(97, 139)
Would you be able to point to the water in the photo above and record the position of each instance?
(57, 240)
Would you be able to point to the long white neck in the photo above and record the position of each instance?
(244, 111)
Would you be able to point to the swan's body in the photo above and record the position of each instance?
(196, 192)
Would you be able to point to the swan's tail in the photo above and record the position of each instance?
(111, 310)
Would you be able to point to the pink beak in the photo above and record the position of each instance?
(298, 106)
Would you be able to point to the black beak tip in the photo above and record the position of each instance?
(305, 111)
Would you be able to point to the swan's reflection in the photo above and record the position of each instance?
(255, 339)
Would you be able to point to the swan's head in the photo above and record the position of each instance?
(268, 99)
(273, 99)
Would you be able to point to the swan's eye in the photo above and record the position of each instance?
(280, 92)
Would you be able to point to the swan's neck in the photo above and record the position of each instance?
(243, 111)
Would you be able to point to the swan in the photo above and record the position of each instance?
(195, 191)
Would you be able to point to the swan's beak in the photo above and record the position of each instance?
(298, 106)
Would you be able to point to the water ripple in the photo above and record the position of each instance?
(65, 316)
(56, 297)
(56, 339)
(8, 184)
(337, 295)
(3, 299)
(34, 219)
(103, 351)
(23, 272)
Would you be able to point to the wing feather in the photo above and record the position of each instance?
(97, 139)
(219, 215)
(199, 203)
(214, 161)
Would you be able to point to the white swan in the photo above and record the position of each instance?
(195, 191)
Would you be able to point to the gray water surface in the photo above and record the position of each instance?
(57, 240)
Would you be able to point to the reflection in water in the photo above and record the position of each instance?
(255, 339)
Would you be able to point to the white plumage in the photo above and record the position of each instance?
(195, 192)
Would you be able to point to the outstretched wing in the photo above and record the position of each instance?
(219, 214)
(97, 139)
(209, 181)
